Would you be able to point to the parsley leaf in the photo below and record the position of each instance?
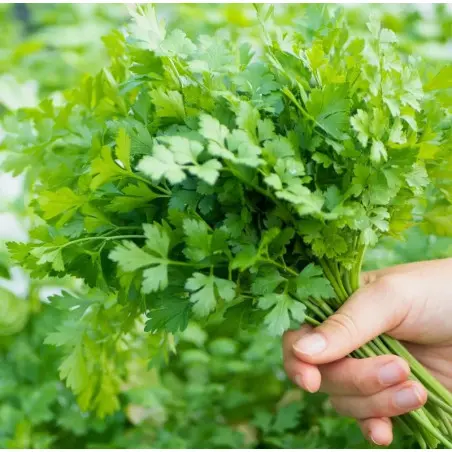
(207, 290)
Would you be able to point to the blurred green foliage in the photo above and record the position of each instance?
(218, 391)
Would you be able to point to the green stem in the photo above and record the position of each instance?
(403, 425)
(447, 422)
(346, 281)
(382, 346)
(424, 376)
(280, 266)
(335, 269)
(290, 95)
(413, 429)
(354, 277)
(87, 239)
(326, 309)
(332, 280)
(429, 416)
(368, 350)
(315, 309)
(358, 354)
(442, 419)
(421, 435)
(125, 237)
(440, 402)
(429, 428)
(133, 175)
(311, 321)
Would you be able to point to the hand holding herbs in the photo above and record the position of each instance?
(233, 179)
(413, 303)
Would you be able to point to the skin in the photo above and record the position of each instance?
(411, 303)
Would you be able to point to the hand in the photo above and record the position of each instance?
(411, 303)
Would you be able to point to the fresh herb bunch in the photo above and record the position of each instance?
(214, 180)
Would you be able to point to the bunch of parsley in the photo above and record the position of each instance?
(223, 181)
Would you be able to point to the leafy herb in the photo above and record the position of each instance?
(195, 179)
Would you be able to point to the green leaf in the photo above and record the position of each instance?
(330, 108)
(155, 278)
(171, 316)
(283, 307)
(168, 104)
(145, 26)
(177, 44)
(211, 129)
(387, 36)
(247, 118)
(397, 135)
(208, 171)
(181, 154)
(442, 80)
(245, 258)
(74, 370)
(162, 164)
(154, 256)
(311, 283)
(49, 255)
(157, 239)
(438, 221)
(287, 418)
(133, 197)
(360, 123)
(265, 129)
(106, 400)
(130, 257)
(198, 240)
(206, 290)
(104, 168)
(417, 179)
(245, 151)
(61, 201)
(267, 282)
(378, 152)
(123, 145)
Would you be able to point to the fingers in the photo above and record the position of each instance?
(305, 375)
(362, 377)
(372, 310)
(434, 265)
(390, 402)
(347, 376)
(377, 430)
(371, 390)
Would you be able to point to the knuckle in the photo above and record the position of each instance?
(359, 383)
(368, 277)
(339, 406)
(382, 407)
(344, 323)
(390, 284)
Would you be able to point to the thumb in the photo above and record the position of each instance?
(371, 311)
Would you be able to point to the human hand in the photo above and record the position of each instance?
(411, 303)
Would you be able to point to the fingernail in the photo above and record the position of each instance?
(300, 381)
(407, 398)
(390, 374)
(311, 344)
(375, 441)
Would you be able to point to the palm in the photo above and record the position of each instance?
(435, 358)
